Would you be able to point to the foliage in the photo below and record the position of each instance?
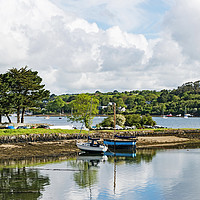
(56, 105)
(128, 120)
(5, 102)
(120, 120)
(133, 120)
(109, 122)
(145, 102)
(23, 90)
(147, 120)
(138, 102)
(84, 108)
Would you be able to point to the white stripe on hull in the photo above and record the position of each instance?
(87, 147)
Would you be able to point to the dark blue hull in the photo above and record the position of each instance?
(131, 154)
(121, 144)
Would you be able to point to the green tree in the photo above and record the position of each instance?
(120, 103)
(5, 102)
(104, 100)
(133, 120)
(147, 120)
(25, 89)
(84, 108)
(109, 121)
(56, 105)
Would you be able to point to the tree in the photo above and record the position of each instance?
(104, 100)
(57, 105)
(5, 102)
(120, 120)
(147, 120)
(25, 89)
(133, 120)
(84, 108)
(120, 103)
(109, 121)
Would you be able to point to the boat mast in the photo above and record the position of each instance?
(114, 116)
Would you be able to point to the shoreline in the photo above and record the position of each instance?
(67, 148)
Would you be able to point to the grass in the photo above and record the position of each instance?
(9, 132)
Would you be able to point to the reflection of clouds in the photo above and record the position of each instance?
(178, 175)
(171, 166)
(127, 177)
(59, 183)
(172, 174)
(62, 185)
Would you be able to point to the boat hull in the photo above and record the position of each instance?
(120, 144)
(88, 148)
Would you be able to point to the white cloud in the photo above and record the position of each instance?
(182, 22)
(73, 55)
(125, 14)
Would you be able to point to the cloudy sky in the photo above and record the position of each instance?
(89, 45)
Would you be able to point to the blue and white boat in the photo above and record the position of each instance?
(121, 142)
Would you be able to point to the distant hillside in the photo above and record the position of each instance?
(185, 98)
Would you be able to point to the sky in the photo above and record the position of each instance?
(80, 46)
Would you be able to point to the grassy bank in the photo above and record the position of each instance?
(185, 132)
(9, 132)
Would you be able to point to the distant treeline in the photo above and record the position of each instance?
(184, 99)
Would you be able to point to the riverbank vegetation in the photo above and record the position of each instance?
(22, 92)
(129, 121)
(177, 102)
(9, 132)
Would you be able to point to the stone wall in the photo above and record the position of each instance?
(190, 133)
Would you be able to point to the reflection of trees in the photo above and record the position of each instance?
(87, 176)
(145, 155)
(21, 184)
(141, 155)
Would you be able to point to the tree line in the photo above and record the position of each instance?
(184, 99)
(22, 90)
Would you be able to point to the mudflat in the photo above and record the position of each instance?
(37, 149)
(67, 147)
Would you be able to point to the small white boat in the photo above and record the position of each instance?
(185, 116)
(92, 146)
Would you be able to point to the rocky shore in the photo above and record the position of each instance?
(58, 145)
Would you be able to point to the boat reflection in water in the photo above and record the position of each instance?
(91, 158)
(94, 159)
(121, 154)
(90, 163)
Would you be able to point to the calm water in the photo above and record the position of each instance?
(167, 174)
(178, 122)
(56, 121)
(170, 122)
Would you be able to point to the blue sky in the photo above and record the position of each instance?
(89, 45)
(150, 12)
